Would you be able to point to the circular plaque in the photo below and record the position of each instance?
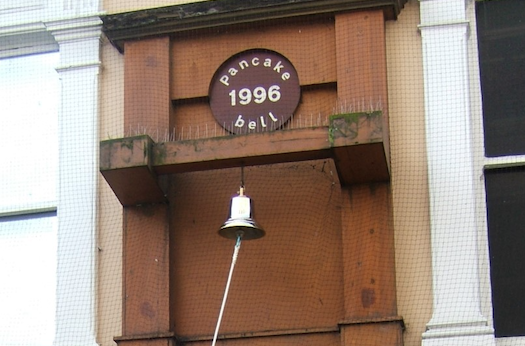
(254, 91)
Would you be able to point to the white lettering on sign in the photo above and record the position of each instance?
(225, 80)
(243, 64)
(278, 67)
(254, 90)
(239, 122)
(258, 95)
(253, 124)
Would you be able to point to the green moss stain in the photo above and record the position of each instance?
(127, 142)
(160, 153)
(347, 125)
(126, 147)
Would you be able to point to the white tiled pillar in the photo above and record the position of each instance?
(79, 41)
(457, 318)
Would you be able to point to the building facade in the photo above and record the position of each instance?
(389, 213)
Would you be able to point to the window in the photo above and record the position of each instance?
(28, 133)
(501, 43)
(28, 272)
(506, 221)
(29, 99)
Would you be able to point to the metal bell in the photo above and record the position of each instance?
(240, 222)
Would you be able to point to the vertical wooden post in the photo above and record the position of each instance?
(368, 238)
(369, 267)
(147, 103)
(361, 64)
(147, 108)
(370, 283)
(146, 268)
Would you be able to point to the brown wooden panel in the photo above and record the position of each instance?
(126, 166)
(146, 342)
(232, 151)
(125, 152)
(368, 252)
(133, 186)
(192, 119)
(147, 103)
(146, 270)
(320, 339)
(372, 334)
(361, 57)
(133, 179)
(361, 163)
(289, 279)
(309, 44)
(316, 105)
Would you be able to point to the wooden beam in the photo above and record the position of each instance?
(148, 23)
(372, 334)
(233, 151)
(146, 342)
(131, 165)
(347, 130)
(126, 166)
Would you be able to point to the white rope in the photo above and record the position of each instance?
(234, 260)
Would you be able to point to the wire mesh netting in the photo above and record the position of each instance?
(348, 188)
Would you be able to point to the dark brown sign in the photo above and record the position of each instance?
(253, 91)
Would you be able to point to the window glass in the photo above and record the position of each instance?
(506, 222)
(28, 272)
(29, 97)
(501, 43)
(29, 100)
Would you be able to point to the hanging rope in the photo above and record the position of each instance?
(234, 260)
(242, 176)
